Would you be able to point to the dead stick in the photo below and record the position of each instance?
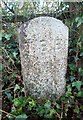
(6, 89)
(7, 113)
(57, 115)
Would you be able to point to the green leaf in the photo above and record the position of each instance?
(68, 93)
(40, 111)
(7, 92)
(1, 67)
(13, 110)
(77, 18)
(22, 116)
(1, 36)
(80, 70)
(79, 23)
(10, 117)
(81, 54)
(47, 107)
(76, 58)
(69, 88)
(20, 102)
(57, 106)
(13, 75)
(8, 36)
(81, 107)
(16, 87)
(80, 94)
(76, 110)
(39, 12)
(31, 102)
(23, 90)
(72, 78)
(72, 67)
(17, 102)
(77, 84)
(47, 104)
(15, 54)
(19, 110)
(52, 111)
(63, 98)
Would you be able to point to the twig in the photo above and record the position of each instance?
(6, 89)
(8, 56)
(2, 21)
(8, 7)
(7, 113)
(62, 112)
(57, 115)
(77, 52)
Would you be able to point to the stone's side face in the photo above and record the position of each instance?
(43, 45)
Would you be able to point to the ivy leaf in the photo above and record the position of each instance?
(63, 98)
(7, 92)
(80, 94)
(47, 107)
(21, 102)
(47, 104)
(1, 67)
(79, 23)
(68, 93)
(8, 36)
(16, 102)
(16, 87)
(76, 110)
(14, 54)
(77, 18)
(31, 102)
(40, 111)
(72, 67)
(22, 116)
(68, 87)
(80, 70)
(10, 117)
(72, 78)
(13, 75)
(23, 90)
(77, 84)
(81, 54)
(81, 107)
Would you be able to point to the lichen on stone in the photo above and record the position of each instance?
(43, 45)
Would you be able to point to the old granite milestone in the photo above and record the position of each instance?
(43, 45)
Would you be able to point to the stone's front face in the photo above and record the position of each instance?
(43, 45)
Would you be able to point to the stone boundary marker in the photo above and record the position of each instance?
(43, 45)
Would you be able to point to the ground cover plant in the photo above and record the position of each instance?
(15, 105)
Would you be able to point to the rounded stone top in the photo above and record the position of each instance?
(44, 20)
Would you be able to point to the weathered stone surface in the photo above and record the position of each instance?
(43, 45)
